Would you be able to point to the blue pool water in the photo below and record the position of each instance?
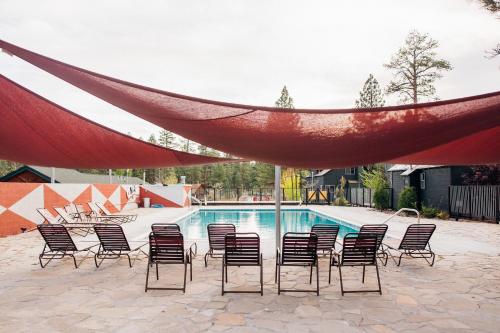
(261, 221)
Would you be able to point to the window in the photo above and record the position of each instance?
(350, 171)
(422, 181)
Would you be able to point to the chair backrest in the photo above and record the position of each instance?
(374, 229)
(165, 228)
(166, 248)
(103, 208)
(93, 207)
(359, 249)
(64, 215)
(112, 237)
(70, 209)
(417, 236)
(327, 235)
(242, 249)
(57, 237)
(47, 216)
(299, 248)
(217, 233)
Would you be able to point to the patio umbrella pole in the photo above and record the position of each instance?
(277, 196)
(53, 175)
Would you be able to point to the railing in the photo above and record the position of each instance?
(474, 202)
(362, 196)
(403, 210)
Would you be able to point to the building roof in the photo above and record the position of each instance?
(409, 168)
(71, 176)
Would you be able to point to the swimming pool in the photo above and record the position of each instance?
(261, 221)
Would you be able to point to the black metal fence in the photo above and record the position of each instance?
(474, 202)
(247, 195)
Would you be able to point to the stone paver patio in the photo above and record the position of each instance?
(461, 293)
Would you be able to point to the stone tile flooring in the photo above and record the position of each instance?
(461, 293)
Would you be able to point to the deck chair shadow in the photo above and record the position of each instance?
(114, 244)
(242, 249)
(59, 244)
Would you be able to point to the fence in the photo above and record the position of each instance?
(247, 195)
(361, 196)
(474, 202)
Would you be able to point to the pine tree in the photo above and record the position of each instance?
(285, 101)
(166, 139)
(371, 96)
(416, 67)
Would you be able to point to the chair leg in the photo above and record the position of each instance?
(74, 260)
(311, 274)
(279, 279)
(222, 292)
(433, 258)
(157, 276)
(378, 279)
(364, 269)
(317, 278)
(185, 275)
(129, 261)
(341, 283)
(400, 257)
(261, 276)
(226, 270)
(147, 277)
(190, 269)
(330, 269)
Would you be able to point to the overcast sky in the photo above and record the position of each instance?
(243, 51)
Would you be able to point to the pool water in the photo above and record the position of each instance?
(261, 221)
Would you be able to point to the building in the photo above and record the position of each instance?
(36, 174)
(331, 177)
(431, 182)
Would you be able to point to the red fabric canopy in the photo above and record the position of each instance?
(36, 131)
(460, 131)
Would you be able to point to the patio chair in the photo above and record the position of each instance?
(170, 228)
(59, 244)
(106, 212)
(73, 225)
(379, 230)
(168, 249)
(358, 250)
(327, 236)
(96, 214)
(298, 249)
(114, 244)
(242, 249)
(415, 243)
(84, 215)
(216, 239)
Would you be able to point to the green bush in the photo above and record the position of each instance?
(442, 215)
(381, 198)
(430, 212)
(408, 198)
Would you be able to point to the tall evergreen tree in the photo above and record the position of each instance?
(416, 67)
(285, 101)
(371, 96)
(166, 139)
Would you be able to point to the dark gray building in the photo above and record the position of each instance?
(331, 177)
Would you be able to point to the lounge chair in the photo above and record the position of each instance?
(242, 249)
(59, 243)
(96, 214)
(168, 249)
(106, 212)
(114, 244)
(415, 243)
(84, 215)
(298, 249)
(170, 228)
(327, 236)
(75, 226)
(379, 230)
(216, 239)
(358, 250)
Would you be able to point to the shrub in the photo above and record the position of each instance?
(430, 212)
(381, 198)
(442, 215)
(340, 199)
(408, 198)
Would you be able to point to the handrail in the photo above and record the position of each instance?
(403, 210)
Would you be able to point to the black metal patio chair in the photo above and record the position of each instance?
(168, 249)
(59, 244)
(242, 249)
(216, 239)
(114, 244)
(170, 228)
(327, 237)
(415, 243)
(379, 230)
(358, 250)
(298, 249)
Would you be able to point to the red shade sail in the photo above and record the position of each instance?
(36, 131)
(460, 131)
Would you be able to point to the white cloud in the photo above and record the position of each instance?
(242, 51)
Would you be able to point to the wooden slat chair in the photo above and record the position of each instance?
(168, 249)
(96, 215)
(216, 239)
(379, 230)
(114, 244)
(242, 249)
(105, 212)
(358, 250)
(298, 249)
(415, 243)
(59, 244)
(327, 236)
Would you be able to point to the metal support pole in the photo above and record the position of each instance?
(53, 175)
(277, 195)
(110, 173)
